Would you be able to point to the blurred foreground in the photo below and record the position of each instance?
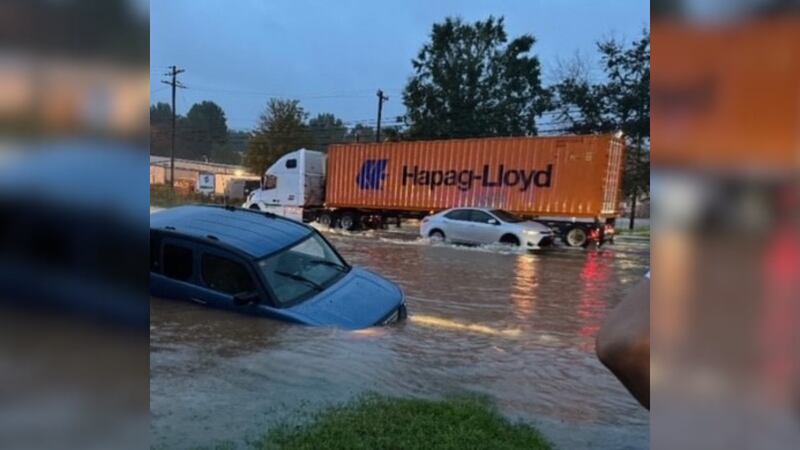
(725, 364)
(74, 313)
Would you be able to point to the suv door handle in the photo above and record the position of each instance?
(197, 300)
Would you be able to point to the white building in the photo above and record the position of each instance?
(187, 171)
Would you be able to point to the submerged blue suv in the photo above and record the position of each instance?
(263, 264)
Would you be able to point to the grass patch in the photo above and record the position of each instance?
(163, 196)
(643, 231)
(376, 422)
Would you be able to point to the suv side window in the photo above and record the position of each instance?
(479, 216)
(458, 214)
(225, 275)
(177, 261)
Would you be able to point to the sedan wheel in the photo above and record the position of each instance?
(436, 236)
(509, 239)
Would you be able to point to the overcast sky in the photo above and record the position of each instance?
(334, 55)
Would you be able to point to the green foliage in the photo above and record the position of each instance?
(160, 113)
(160, 129)
(361, 133)
(208, 121)
(281, 129)
(389, 423)
(202, 134)
(326, 129)
(393, 134)
(470, 81)
(620, 102)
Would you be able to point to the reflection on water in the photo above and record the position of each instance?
(517, 327)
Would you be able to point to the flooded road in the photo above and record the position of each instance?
(518, 328)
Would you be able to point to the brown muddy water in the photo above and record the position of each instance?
(516, 327)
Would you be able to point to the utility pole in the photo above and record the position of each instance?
(381, 99)
(173, 72)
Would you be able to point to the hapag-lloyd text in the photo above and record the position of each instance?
(466, 179)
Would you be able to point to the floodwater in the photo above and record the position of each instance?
(516, 327)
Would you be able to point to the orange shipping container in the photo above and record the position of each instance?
(573, 176)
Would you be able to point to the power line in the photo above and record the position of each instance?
(345, 94)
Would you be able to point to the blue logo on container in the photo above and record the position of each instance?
(372, 174)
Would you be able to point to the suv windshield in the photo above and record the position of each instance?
(302, 270)
(506, 216)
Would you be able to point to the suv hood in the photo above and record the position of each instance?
(360, 299)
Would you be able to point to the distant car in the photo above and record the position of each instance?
(263, 264)
(485, 226)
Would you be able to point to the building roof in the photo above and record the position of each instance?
(253, 232)
(200, 166)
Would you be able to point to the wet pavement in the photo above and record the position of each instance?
(516, 327)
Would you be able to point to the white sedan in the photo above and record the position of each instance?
(485, 226)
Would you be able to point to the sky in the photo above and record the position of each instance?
(333, 56)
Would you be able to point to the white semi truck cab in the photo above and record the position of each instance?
(292, 186)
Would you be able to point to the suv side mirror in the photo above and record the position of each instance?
(493, 222)
(245, 298)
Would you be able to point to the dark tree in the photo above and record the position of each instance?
(208, 120)
(281, 129)
(160, 129)
(160, 113)
(361, 133)
(620, 102)
(326, 129)
(470, 81)
(202, 130)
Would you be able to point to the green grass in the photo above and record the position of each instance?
(643, 231)
(376, 422)
(161, 195)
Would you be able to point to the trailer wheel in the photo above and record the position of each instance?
(325, 219)
(348, 221)
(255, 206)
(576, 237)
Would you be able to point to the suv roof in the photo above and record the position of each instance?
(253, 232)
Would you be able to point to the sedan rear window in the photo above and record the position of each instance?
(458, 214)
(480, 216)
